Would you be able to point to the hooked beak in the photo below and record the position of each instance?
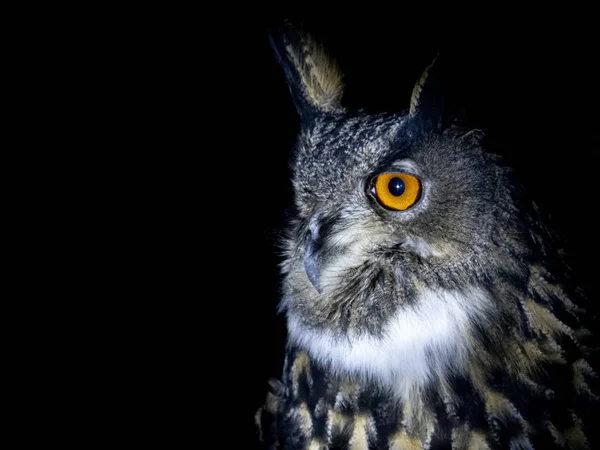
(312, 259)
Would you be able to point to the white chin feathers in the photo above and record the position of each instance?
(428, 337)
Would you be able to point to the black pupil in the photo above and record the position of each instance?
(396, 186)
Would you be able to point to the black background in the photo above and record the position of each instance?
(528, 80)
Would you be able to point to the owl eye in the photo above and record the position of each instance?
(398, 191)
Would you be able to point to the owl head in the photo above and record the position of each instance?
(407, 232)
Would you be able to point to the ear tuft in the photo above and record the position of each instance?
(314, 79)
(415, 98)
(427, 101)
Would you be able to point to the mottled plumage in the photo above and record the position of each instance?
(449, 324)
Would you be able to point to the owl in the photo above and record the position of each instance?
(427, 303)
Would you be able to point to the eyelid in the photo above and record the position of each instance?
(405, 166)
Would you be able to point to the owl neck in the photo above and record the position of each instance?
(420, 342)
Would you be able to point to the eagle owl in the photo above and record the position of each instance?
(427, 304)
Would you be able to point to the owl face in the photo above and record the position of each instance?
(381, 201)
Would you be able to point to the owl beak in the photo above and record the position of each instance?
(312, 264)
(312, 260)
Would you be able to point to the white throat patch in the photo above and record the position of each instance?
(428, 337)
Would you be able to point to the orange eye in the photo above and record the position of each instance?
(397, 191)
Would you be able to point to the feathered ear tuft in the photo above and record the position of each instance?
(427, 102)
(313, 78)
